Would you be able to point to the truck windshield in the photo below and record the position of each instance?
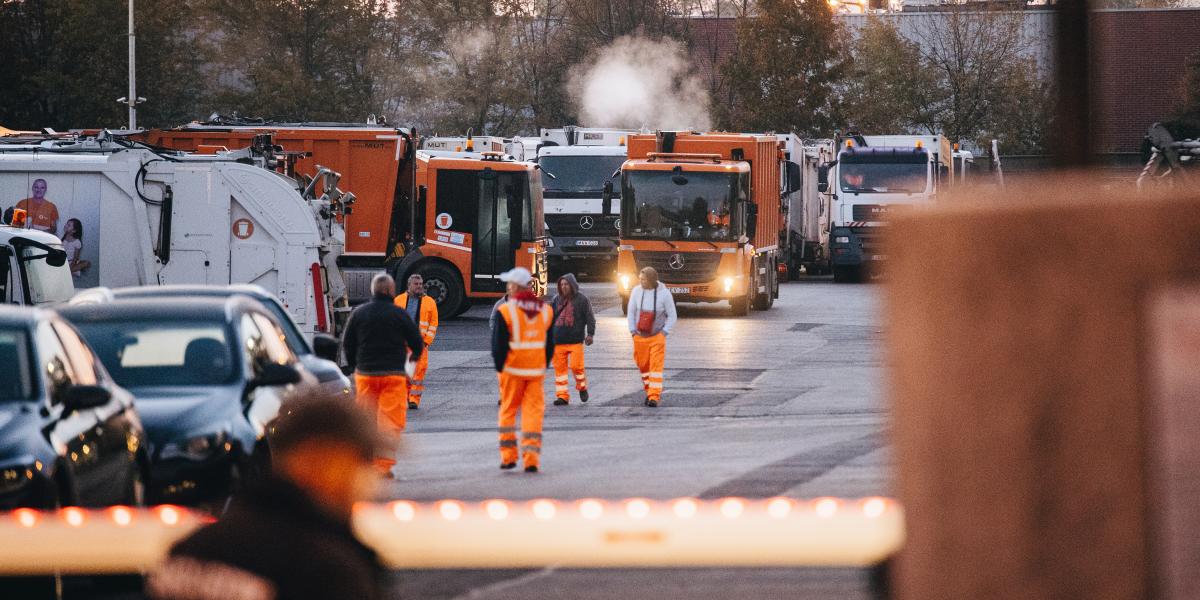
(680, 206)
(47, 284)
(883, 177)
(17, 380)
(578, 174)
(144, 352)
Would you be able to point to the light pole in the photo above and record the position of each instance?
(132, 100)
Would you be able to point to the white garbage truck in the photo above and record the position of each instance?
(873, 177)
(131, 215)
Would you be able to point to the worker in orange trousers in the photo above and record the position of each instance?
(522, 345)
(378, 342)
(651, 315)
(574, 327)
(423, 310)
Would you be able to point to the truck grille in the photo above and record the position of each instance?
(571, 226)
(697, 266)
(873, 212)
(871, 242)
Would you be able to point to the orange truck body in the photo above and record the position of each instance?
(729, 254)
(392, 180)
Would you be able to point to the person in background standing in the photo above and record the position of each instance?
(574, 327)
(379, 342)
(651, 315)
(522, 345)
(72, 240)
(423, 310)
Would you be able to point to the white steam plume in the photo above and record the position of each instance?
(636, 83)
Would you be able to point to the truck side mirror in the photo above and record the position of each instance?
(607, 198)
(823, 187)
(823, 175)
(793, 177)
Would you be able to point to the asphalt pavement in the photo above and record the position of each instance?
(782, 402)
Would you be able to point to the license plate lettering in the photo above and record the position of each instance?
(587, 242)
(679, 290)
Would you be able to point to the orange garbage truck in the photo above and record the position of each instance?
(404, 196)
(704, 209)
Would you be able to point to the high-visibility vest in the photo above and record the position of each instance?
(526, 339)
(427, 316)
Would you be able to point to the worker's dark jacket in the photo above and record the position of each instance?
(273, 536)
(573, 317)
(378, 337)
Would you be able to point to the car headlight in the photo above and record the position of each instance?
(198, 447)
(841, 239)
(14, 478)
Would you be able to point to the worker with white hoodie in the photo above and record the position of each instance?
(651, 316)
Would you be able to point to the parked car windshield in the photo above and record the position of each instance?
(146, 353)
(291, 333)
(16, 383)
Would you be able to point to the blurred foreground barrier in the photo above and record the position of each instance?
(636, 532)
(1044, 380)
(587, 533)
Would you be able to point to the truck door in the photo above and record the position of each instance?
(497, 228)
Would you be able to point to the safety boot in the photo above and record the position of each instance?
(412, 406)
(531, 469)
(560, 401)
(507, 466)
(651, 403)
(583, 395)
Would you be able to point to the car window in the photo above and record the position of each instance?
(172, 352)
(252, 343)
(274, 341)
(54, 367)
(295, 339)
(83, 363)
(16, 381)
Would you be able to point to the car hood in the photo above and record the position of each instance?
(171, 414)
(20, 438)
(325, 371)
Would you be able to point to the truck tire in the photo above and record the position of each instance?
(444, 286)
(761, 299)
(846, 274)
(624, 305)
(740, 306)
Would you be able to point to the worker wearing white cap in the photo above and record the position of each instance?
(522, 344)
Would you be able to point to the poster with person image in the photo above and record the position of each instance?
(66, 205)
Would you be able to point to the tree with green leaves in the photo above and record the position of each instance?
(65, 63)
(784, 71)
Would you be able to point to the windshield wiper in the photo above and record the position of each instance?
(857, 189)
(671, 245)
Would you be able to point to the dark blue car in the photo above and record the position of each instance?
(209, 374)
(69, 435)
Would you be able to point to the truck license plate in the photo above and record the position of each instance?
(679, 290)
(587, 242)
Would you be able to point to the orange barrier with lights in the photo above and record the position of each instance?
(636, 532)
(588, 533)
(119, 539)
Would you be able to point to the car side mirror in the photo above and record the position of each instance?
(84, 397)
(272, 374)
(607, 198)
(325, 346)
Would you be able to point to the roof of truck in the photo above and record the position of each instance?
(583, 151)
(7, 233)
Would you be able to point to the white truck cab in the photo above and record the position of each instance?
(33, 268)
(873, 177)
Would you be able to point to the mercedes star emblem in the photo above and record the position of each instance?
(586, 222)
(675, 261)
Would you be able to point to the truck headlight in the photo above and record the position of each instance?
(841, 239)
(624, 282)
(728, 284)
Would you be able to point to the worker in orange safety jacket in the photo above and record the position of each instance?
(423, 310)
(651, 314)
(522, 344)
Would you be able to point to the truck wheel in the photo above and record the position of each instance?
(444, 286)
(762, 300)
(845, 274)
(740, 306)
(624, 304)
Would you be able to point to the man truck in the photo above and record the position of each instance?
(705, 210)
(580, 166)
(873, 177)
